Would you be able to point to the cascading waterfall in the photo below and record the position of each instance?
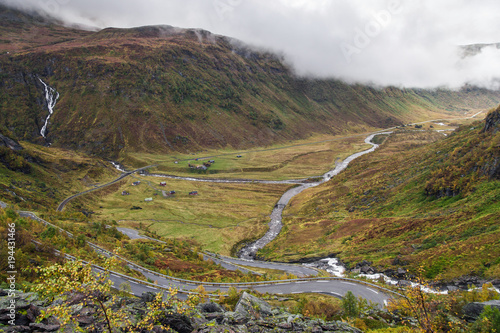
(51, 96)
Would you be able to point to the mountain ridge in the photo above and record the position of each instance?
(165, 89)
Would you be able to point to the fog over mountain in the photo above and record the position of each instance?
(384, 42)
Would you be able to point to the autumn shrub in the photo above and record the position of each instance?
(321, 309)
(488, 322)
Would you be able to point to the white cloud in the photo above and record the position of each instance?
(389, 42)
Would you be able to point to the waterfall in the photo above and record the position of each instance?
(51, 96)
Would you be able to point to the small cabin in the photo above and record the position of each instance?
(211, 161)
(136, 183)
(148, 199)
(201, 167)
(163, 183)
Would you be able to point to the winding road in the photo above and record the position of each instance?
(334, 286)
(123, 175)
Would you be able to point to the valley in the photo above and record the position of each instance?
(222, 207)
(182, 162)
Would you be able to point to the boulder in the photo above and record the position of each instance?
(235, 318)
(464, 282)
(17, 329)
(148, 297)
(249, 305)
(178, 322)
(363, 263)
(32, 313)
(211, 307)
(401, 273)
(473, 310)
(366, 269)
(209, 328)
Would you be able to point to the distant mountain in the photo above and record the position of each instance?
(473, 49)
(164, 89)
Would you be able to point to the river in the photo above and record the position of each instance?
(275, 225)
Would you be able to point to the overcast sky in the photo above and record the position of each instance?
(388, 42)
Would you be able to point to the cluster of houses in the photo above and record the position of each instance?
(204, 166)
(165, 193)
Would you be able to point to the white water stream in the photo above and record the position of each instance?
(51, 96)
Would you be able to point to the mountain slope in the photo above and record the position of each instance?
(420, 200)
(163, 89)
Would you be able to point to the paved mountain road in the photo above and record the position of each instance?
(332, 286)
(123, 175)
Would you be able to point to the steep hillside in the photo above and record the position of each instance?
(163, 89)
(38, 178)
(420, 200)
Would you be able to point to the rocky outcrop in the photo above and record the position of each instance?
(251, 314)
(473, 310)
(492, 122)
(9, 143)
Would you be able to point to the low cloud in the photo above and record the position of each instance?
(384, 42)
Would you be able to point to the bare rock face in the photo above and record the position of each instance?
(9, 143)
(492, 122)
(492, 126)
(473, 310)
(249, 305)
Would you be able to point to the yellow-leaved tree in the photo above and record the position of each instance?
(95, 290)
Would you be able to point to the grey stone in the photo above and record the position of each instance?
(85, 320)
(207, 328)
(32, 313)
(8, 142)
(211, 307)
(249, 305)
(178, 322)
(44, 328)
(16, 329)
(473, 310)
(236, 317)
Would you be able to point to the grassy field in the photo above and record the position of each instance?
(297, 159)
(222, 215)
(218, 217)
